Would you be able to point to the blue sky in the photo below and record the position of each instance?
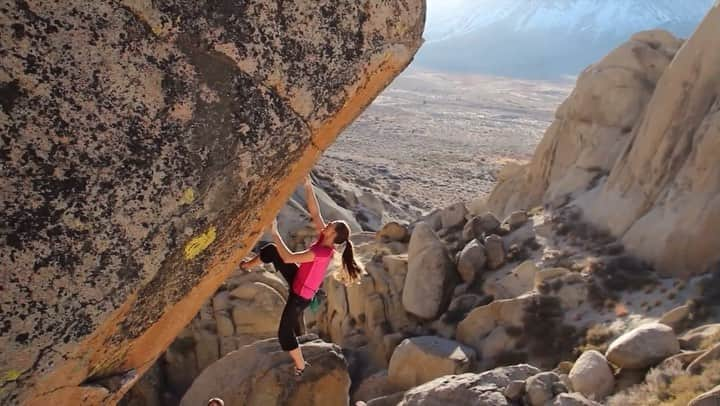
(441, 10)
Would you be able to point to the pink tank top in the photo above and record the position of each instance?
(310, 275)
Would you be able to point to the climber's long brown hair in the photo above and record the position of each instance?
(353, 271)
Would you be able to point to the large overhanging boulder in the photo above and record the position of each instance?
(145, 145)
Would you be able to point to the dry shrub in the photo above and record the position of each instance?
(698, 313)
(455, 316)
(544, 288)
(551, 287)
(563, 229)
(710, 287)
(517, 253)
(514, 331)
(183, 345)
(533, 244)
(535, 211)
(597, 294)
(546, 334)
(669, 386)
(564, 367)
(613, 248)
(569, 222)
(710, 341)
(597, 337)
(511, 357)
(618, 274)
(627, 273)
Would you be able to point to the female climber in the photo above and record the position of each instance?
(305, 279)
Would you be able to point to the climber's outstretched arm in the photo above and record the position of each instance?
(287, 255)
(313, 206)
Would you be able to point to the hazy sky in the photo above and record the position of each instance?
(441, 8)
(440, 12)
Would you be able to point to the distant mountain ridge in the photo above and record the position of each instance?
(543, 38)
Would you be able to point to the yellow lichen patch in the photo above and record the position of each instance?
(188, 196)
(11, 375)
(199, 243)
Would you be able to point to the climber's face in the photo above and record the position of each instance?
(329, 232)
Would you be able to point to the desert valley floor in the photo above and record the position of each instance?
(441, 132)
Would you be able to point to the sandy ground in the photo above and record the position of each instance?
(432, 139)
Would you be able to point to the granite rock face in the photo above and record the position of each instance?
(591, 127)
(468, 389)
(668, 178)
(639, 132)
(145, 145)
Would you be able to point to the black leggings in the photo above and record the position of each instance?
(292, 321)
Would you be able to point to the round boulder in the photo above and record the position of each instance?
(466, 389)
(431, 276)
(372, 387)
(453, 216)
(261, 374)
(516, 219)
(480, 225)
(421, 359)
(393, 231)
(573, 399)
(710, 398)
(495, 250)
(471, 260)
(643, 347)
(539, 388)
(676, 317)
(591, 375)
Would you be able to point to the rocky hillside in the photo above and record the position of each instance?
(464, 308)
(145, 146)
(531, 297)
(634, 148)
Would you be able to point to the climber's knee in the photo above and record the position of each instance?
(268, 253)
